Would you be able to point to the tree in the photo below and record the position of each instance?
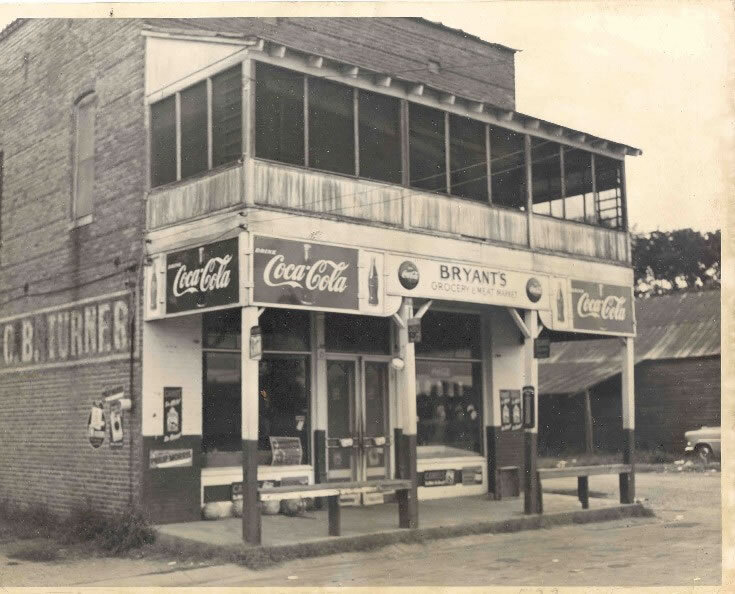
(666, 261)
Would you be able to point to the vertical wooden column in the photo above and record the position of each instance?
(248, 131)
(529, 186)
(249, 403)
(627, 480)
(319, 401)
(491, 408)
(531, 495)
(408, 509)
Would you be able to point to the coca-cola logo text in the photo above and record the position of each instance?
(611, 307)
(323, 275)
(211, 276)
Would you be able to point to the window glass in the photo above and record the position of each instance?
(380, 137)
(284, 401)
(468, 160)
(609, 185)
(279, 114)
(449, 406)
(285, 330)
(507, 168)
(194, 130)
(163, 141)
(84, 158)
(331, 126)
(546, 176)
(222, 329)
(357, 334)
(221, 412)
(227, 116)
(578, 181)
(426, 148)
(449, 334)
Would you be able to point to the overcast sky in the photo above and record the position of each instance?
(653, 75)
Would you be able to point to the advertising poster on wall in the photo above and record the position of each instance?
(96, 424)
(203, 277)
(116, 428)
(463, 281)
(516, 410)
(171, 414)
(305, 274)
(505, 415)
(170, 458)
(597, 307)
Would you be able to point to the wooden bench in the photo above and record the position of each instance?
(583, 473)
(333, 491)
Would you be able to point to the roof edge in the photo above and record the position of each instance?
(455, 31)
(11, 28)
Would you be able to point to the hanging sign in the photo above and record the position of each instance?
(414, 329)
(171, 414)
(307, 274)
(116, 430)
(463, 281)
(505, 414)
(597, 307)
(203, 277)
(516, 410)
(256, 343)
(542, 347)
(96, 424)
(529, 407)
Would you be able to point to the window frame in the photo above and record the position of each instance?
(87, 100)
(210, 135)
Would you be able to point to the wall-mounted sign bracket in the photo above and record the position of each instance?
(423, 309)
(260, 311)
(399, 320)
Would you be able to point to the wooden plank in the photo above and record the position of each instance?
(584, 470)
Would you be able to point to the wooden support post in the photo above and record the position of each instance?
(335, 524)
(408, 502)
(627, 480)
(532, 486)
(529, 187)
(251, 532)
(320, 461)
(491, 406)
(588, 436)
(583, 491)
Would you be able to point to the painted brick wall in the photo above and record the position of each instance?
(45, 454)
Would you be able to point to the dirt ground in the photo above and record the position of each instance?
(680, 546)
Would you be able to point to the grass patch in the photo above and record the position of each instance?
(41, 551)
(598, 458)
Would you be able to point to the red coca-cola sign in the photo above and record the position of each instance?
(203, 277)
(304, 273)
(602, 307)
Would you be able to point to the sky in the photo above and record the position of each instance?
(654, 75)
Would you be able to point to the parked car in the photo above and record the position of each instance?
(703, 444)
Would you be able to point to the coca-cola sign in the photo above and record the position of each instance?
(601, 307)
(304, 274)
(203, 277)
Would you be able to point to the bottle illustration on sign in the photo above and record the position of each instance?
(373, 284)
(305, 294)
(560, 306)
(154, 290)
(172, 420)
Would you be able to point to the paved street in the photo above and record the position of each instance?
(681, 546)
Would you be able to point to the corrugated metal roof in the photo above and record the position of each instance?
(676, 326)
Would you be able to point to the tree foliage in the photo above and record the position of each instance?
(680, 260)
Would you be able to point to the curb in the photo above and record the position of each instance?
(265, 556)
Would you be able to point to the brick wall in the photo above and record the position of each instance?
(46, 456)
(399, 46)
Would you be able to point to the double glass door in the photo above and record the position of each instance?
(357, 418)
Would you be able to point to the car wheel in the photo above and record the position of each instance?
(703, 453)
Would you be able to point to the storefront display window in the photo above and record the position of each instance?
(449, 384)
(283, 383)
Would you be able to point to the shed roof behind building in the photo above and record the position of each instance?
(679, 326)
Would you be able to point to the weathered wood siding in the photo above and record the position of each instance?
(471, 219)
(580, 239)
(315, 192)
(195, 198)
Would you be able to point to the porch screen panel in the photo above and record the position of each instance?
(508, 168)
(331, 126)
(468, 160)
(194, 130)
(227, 116)
(380, 137)
(426, 148)
(163, 141)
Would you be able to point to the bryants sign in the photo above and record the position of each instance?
(304, 273)
(600, 307)
(202, 277)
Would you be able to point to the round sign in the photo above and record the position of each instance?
(408, 275)
(533, 290)
(96, 425)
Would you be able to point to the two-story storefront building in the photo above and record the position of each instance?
(342, 243)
